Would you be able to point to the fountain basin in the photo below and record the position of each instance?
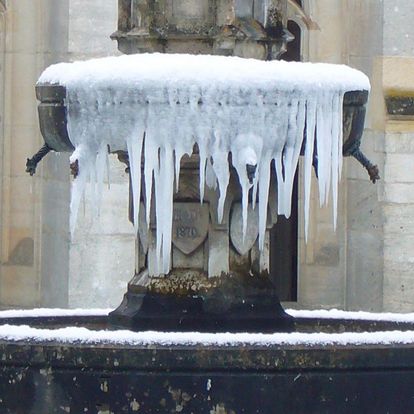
(338, 368)
(53, 118)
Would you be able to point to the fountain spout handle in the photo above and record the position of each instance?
(31, 163)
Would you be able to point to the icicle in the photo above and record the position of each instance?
(202, 168)
(164, 205)
(151, 164)
(134, 145)
(264, 181)
(340, 123)
(101, 166)
(221, 170)
(336, 147)
(309, 149)
(163, 105)
(178, 154)
(85, 158)
(289, 165)
(321, 148)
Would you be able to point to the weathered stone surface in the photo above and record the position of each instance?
(236, 228)
(398, 35)
(402, 143)
(399, 168)
(218, 252)
(364, 271)
(51, 378)
(189, 226)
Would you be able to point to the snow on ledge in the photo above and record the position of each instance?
(360, 315)
(297, 313)
(149, 69)
(75, 335)
(51, 312)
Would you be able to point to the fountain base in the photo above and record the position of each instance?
(235, 302)
(60, 376)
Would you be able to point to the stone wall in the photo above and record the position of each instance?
(397, 66)
(369, 262)
(102, 250)
(40, 264)
(34, 242)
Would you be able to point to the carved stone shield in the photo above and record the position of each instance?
(190, 226)
(236, 228)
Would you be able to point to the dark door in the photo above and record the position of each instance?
(284, 235)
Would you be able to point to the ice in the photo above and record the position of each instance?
(247, 112)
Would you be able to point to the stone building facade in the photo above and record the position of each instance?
(367, 264)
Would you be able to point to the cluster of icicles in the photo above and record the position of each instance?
(162, 122)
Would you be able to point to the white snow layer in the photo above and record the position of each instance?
(87, 336)
(160, 106)
(124, 337)
(51, 312)
(297, 313)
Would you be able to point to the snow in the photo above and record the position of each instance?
(297, 313)
(162, 105)
(51, 312)
(360, 315)
(127, 338)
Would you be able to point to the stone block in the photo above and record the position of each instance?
(218, 252)
(320, 287)
(398, 168)
(183, 261)
(367, 16)
(399, 249)
(398, 34)
(91, 24)
(363, 206)
(400, 143)
(188, 9)
(19, 286)
(398, 73)
(398, 286)
(398, 219)
(108, 263)
(24, 25)
(364, 271)
(399, 193)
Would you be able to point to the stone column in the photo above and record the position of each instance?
(31, 206)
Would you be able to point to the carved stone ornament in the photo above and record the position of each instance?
(190, 226)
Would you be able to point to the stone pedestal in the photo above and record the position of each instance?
(218, 281)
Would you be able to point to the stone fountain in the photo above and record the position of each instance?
(217, 280)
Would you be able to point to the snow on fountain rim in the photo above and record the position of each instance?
(202, 70)
(72, 335)
(77, 335)
(296, 313)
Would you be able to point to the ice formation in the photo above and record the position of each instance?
(160, 106)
